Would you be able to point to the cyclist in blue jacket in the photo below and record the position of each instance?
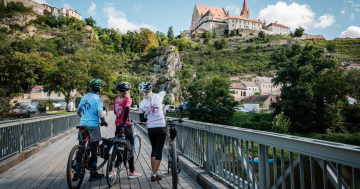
(90, 110)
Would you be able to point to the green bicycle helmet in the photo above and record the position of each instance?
(96, 84)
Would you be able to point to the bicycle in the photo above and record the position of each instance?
(118, 155)
(172, 153)
(79, 159)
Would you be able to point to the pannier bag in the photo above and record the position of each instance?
(104, 149)
(125, 149)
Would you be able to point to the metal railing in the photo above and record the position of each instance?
(18, 135)
(283, 161)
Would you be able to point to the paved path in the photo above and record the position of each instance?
(46, 169)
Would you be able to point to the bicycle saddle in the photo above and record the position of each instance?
(81, 127)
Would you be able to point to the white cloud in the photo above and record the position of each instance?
(292, 15)
(92, 8)
(117, 20)
(357, 10)
(67, 6)
(138, 7)
(234, 8)
(355, 5)
(352, 17)
(342, 12)
(325, 21)
(330, 9)
(352, 31)
(41, 2)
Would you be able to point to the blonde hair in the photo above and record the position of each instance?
(147, 95)
(123, 94)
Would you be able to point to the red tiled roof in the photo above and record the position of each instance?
(305, 34)
(217, 12)
(278, 25)
(250, 84)
(316, 37)
(38, 87)
(244, 10)
(238, 86)
(242, 18)
(200, 29)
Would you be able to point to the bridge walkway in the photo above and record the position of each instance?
(47, 168)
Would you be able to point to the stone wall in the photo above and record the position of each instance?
(38, 8)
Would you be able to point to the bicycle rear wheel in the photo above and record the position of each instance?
(136, 147)
(112, 168)
(174, 165)
(75, 170)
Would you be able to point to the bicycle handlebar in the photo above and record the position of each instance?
(172, 120)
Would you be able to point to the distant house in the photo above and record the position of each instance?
(316, 37)
(304, 36)
(352, 101)
(266, 86)
(240, 91)
(266, 99)
(276, 28)
(351, 66)
(251, 87)
(37, 94)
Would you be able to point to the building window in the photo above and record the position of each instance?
(58, 94)
(236, 21)
(233, 25)
(244, 93)
(48, 95)
(233, 21)
(240, 26)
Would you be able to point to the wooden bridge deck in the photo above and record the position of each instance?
(46, 169)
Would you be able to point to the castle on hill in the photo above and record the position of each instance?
(217, 20)
(39, 8)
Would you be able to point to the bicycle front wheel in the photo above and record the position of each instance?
(75, 170)
(136, 147)
(112, 169)
(174, 164)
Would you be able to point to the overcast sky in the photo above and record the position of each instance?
(331, 18)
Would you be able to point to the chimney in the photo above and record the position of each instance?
(275, 22)
(227, 14)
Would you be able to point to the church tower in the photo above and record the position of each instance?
(245, 11)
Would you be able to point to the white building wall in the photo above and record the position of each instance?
(243, 24)
(279, 30)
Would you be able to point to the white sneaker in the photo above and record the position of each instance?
(135, 175)
(112, 173)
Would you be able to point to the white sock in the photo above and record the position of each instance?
(154, 175)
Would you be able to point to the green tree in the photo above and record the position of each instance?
(312, 89)
(299, 32)
(250, 48)
(211, 100)
(147, 38)
(21, 71)
(281, 124)
(233, 33)
(66, 76)
(353, 78)
(331, 47)
(167, 100)
(262, 35)
(170, 34)
(214, 35)
(220, 44)
(90, 21)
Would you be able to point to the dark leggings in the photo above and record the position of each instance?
(93, 156)
(157, 138)
(128, 135)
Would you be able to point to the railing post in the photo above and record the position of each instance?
(20, 136)
(52, 126)
(262, 166)
(207, 150)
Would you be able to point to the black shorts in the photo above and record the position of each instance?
(157, 136)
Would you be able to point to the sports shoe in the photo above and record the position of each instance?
(112, 173)
(134, 175)
(156, 178)
(76, 176)
(95, 176)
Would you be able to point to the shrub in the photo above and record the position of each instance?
(281, 124)
(41, 106)
(262, 126)
(167, 100)
(51, 107)
(233, 32)
(331, 46)
(239, 47)
(250, 48)
(251, 34)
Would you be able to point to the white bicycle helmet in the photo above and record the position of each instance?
(145, 87)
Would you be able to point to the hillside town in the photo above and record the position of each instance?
(217, 20)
